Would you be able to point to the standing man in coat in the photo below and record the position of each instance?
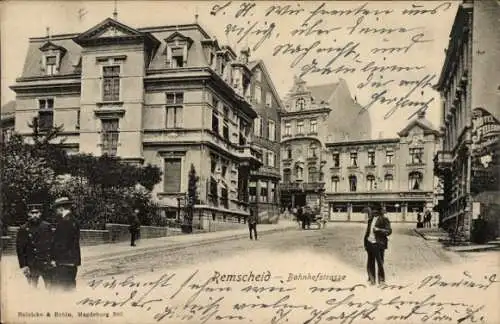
(66, 246)
(375, 242)
(134, 226)
(252, 223)
(33, 245)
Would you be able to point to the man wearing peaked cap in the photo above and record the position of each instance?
(33, 246)
(66, 255)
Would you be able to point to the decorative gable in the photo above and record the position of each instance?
(178, 39)
(113, 31)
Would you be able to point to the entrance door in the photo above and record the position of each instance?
(300, 200)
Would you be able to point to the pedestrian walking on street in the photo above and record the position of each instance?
(66, 254)
(134, 227)
(252, 224)
(33, 245)
(375, 242)
(427, 219)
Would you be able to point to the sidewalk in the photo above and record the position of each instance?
(439, 235)
(121, 249)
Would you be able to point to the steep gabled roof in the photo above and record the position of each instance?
(252, 65)
(323, 92)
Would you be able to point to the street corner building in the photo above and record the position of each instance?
(468, 160)
(171, 96)
(330, 162)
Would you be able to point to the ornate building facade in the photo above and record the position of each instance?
(469, 85)
(311, 119)
(264, 182)
(396, 172)
(329, 161)
(171, 96)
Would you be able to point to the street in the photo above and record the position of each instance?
(136, 287)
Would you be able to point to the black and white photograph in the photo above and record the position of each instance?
(298, 162)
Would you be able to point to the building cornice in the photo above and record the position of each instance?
(363, 142)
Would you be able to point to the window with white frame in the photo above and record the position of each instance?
(288, 152)
(371, 158)
(416, 155)
(354, 159)
(336, 159)
(45, 114)
(271, 130)
(287, 175)
(270, 159)
(288, 129)
(335, 184)
(109, 136)
(415, 179)
(173, 175)
(313, 174)
(300, 127)
(388, 180)
(252, 191)
(313, 151)
(263, 191)
(175, 102)
(111, 83)
(258, 75)
(274, 197)
(177, 60)
(257, 94)
(269, 99)
(257, 126)
(51, 65)
(353, 183)
(299, 172)
(313, 126)
(300, 104)
(389, 157)
(370, 182)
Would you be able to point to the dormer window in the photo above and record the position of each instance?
(51, 65)
(177, 50)
(177, 57)
(52, 55)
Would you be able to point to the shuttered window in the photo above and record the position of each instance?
(172, 178)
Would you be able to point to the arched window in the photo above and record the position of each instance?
(300, 104)
(388, 180)
(415, 180)
(335, 184)
(287, 175)
(353, 182)
(299, 172)
(313, 174)
(370, 182)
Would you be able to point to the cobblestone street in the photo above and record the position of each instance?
(136, 287)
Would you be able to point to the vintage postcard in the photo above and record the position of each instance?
(250, 162)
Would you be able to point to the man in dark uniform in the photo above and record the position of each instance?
(66, 246)
(375, 242)
(33, 245)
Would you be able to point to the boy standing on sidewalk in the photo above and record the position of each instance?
(252, 223)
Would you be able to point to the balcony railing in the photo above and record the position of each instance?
(444, 158)
(291, 186)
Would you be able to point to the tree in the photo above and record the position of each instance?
(26, 178)
(191, 199)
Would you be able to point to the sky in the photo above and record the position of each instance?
(410, 45)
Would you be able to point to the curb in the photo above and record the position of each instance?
(176, 246)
